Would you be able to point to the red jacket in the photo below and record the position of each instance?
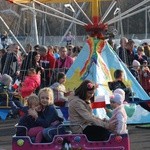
(49, 58)
(30, 84)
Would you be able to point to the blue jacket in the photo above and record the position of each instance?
(48, 116)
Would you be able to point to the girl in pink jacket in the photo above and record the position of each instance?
(31, 83)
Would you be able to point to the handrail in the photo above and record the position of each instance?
(7, 100)
(68, 124)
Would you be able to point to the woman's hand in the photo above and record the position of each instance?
(112, 126)
(33, 113)
(67, 93)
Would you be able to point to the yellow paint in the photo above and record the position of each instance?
(95, 8)
(74, 81)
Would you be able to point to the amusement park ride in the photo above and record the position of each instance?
(96, 28)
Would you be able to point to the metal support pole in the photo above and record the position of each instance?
(146, 22)
(35, 25)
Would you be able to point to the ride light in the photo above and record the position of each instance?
(118, 138)
(77, 139)
(20, 142)
(59, 140)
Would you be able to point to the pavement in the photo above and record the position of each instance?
(140, 138)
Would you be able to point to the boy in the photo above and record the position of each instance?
(118, 83)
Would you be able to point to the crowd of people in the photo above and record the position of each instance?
(42, 70)
(137, 59)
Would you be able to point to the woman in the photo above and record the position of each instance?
(140, 56)
(32, 60)
(80, 113)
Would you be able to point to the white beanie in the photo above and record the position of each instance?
(120, 91)
(117, 98)
(6, 79)
(136, 63)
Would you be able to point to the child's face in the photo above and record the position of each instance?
(34, 105)
(113, 104)
(62, 80)
(45, 99)
(38, 108)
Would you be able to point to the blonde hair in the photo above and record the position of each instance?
(48, 91)
(32, 99)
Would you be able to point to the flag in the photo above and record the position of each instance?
(16, 84)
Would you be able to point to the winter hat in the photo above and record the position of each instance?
(117, 98)
(6, 79)
(120, 91)
(135, 63)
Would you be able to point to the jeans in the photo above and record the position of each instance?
(50, 132)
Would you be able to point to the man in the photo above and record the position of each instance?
(121, 50)
(64, 61)
(47, 61)
(10, 61)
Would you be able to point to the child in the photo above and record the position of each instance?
(60, 90)
(7, 95)
(119, 116)
(145, 77)
(29, 122)
(48, 117)
(31, 83)
(118, 83)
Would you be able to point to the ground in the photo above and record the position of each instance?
(140, 138)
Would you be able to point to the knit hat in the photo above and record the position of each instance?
(120, 91)
(135, 63)
(6, 79)
(117, 98)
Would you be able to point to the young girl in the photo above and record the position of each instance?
(34, 130)
(31, 83)
(48, 117)
(60, 90)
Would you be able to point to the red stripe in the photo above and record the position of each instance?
(98, 105)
